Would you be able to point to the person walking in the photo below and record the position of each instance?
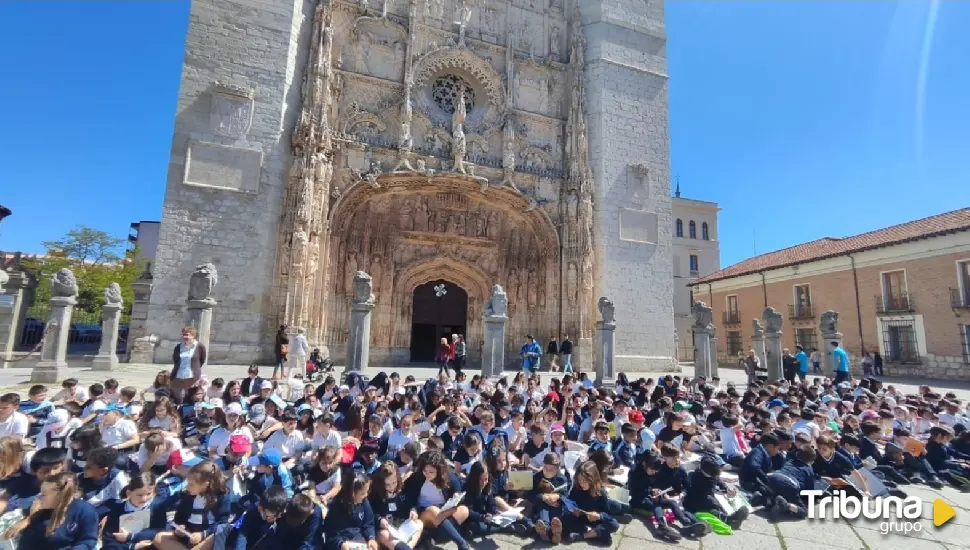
(443, 357)
(877, 363)
(816, 361)
(751, 365)
(867, 370)
(282, 349)
(566, 353)
(841, 360)
(531, 354)
(802, 362)
(188, 360)
(552, 350)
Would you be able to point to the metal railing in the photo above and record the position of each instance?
(959, 300)
(695, 273)
(900, 342)
(801, 311)
(731, 317)
(900, 303)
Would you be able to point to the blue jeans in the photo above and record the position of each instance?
(567, 362)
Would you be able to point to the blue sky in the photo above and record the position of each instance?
(802, 119)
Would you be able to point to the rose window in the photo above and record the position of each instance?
(446, 89)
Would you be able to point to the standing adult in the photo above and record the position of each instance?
(299, 350)
(443, 357)
(189, 359)
(877, 363)
(461, 352)
(802, 363)
(751, 365)
(552, 350)
(867, 364)
(531, 354)
(282, 349)
(816, 361)
(566, 353)
(841, 360)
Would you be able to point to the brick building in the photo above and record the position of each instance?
(903, 291)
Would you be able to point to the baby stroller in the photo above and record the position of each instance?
(317, 367)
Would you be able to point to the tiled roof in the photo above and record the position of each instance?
(830, 247)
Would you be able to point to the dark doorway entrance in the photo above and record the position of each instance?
(440, 309)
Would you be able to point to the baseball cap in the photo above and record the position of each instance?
(205, 405)
(776, 403)
(552, 396)
(681, 405)
(216, 402)
(239, 444)
(266, 385)
(257, 413)
(183, 457)
(270, 457)
(234, 408)
(636, 417)
(303, 408)
(399, 391)
(344, 388)
(558, 428)
(826, 399)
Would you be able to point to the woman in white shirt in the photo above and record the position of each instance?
(188, 360)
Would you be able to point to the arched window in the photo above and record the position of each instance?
(693, 230)
(704, 233)
(680, 227)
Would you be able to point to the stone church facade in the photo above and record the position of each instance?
(442, 146)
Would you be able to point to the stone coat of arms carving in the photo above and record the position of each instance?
(231, 115)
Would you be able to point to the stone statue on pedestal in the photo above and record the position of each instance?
(203, 279)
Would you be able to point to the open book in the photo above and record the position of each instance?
(507, 517)
(135, 521)
(521, 480)
(453, 502)
(405, 531)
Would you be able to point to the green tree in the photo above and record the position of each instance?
(97, 260)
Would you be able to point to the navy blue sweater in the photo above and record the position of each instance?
(837, 466)
(412, 489)
(669, 477)
(79, 531)
(393, 507)
(699, 488)
(211, 518)
(799, 472)
(756, 466)
(641, 486)
(347, 525)
(112, 511)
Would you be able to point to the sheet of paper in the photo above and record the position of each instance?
(620, 476)
(453, 501)
(135, 521)
(619, 494)
(572, 460)
(521, 480)
(404, 532)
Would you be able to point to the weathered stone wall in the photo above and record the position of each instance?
(225, 180)
(626, 105)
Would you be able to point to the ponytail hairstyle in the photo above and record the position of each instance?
(208, 472)
(11, 455)
(139, 481)
(65, 483)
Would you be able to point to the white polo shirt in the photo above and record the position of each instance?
(16, 424)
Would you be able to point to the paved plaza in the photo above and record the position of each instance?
(757, 531)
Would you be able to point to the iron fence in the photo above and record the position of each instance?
(801, 311)
(958, 299)
(731, 317)
(900, 342)
(965, 342)
(807, 338)
(84, 336)
(898, 303)
(735, 343)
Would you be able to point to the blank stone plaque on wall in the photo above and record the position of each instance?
(222, 166)
(637, 226)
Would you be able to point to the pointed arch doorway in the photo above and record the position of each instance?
(439, 309)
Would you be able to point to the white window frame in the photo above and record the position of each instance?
(882, 283)
(727, 302)
(794, 294)
(694, 269)
(960, 287)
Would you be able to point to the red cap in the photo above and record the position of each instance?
(239, 444)
(635, 417)
(347, 453)
(183, 457)
(552, 396)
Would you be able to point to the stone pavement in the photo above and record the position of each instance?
(757, 532)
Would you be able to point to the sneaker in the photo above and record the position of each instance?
(890, 484)
(575, 537)
(756, 499)
(667, 532)
(542, 529)
(916, 479)
(779, 507)
(519, 529)
(737, 518)
(934, 482)
(623, 519)
(556, 529)
(699, 529)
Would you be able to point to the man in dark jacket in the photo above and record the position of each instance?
(566, 353)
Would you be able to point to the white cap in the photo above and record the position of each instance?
(266, 385)
(234, 408)
(399, 391)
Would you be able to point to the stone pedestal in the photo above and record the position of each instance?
(702, 352)
(12, 311)
(605, 354)
(758, 344)
(107, 357)
(493, 352)
(140, 346)
(52, 366)
(200, 317)
(774, 357)
(358, 344)
(713, 340)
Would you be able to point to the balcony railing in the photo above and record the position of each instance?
(901, 303)
(731, 317)
(959, 300)
(695, 273)
(801, 311)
